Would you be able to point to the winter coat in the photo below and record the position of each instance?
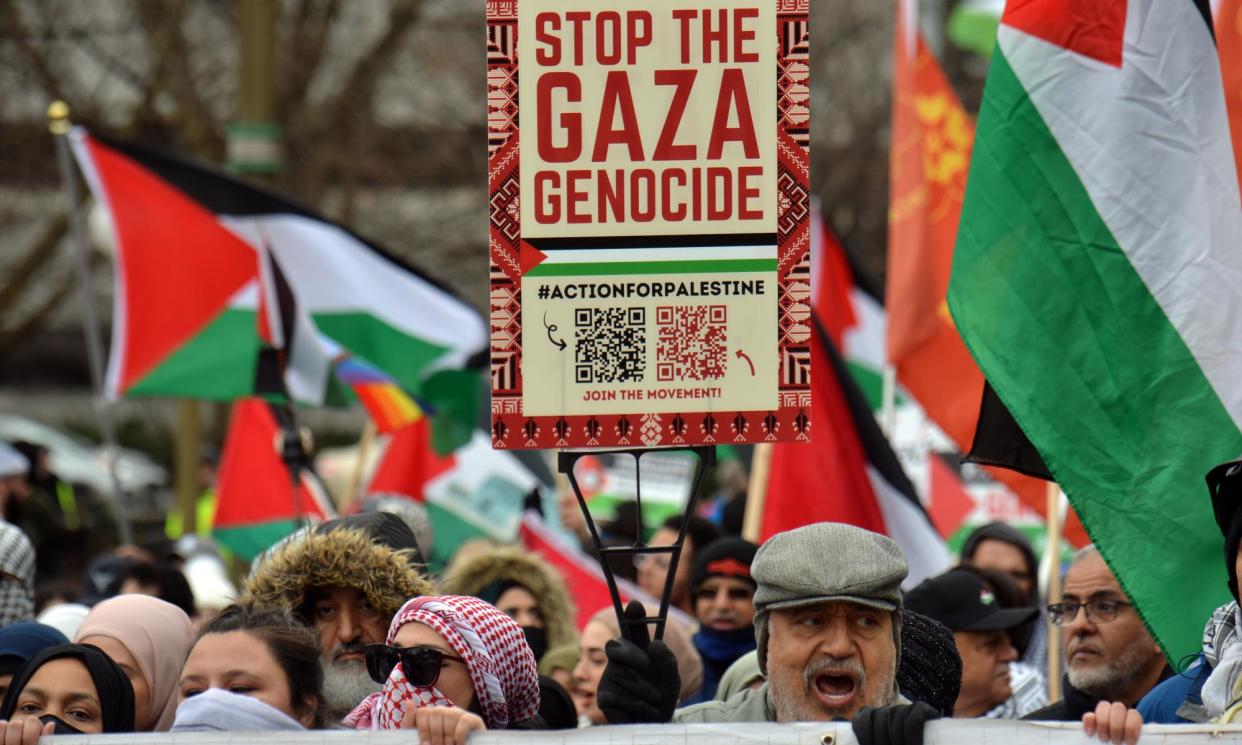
(476, 574)
(353, 553)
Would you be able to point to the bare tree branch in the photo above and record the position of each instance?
(11, 18)
(303, 51)
(42, 250)
(164, 23)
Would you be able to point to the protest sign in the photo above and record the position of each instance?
(650, 228)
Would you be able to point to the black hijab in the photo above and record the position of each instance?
(116, 695)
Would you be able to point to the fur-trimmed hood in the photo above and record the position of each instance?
(346, 557)
(477, 572)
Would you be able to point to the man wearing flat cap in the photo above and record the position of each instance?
(828, 627)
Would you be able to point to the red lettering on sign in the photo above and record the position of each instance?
(732, 98)
(684, 81)
(571, 123)
(617, 96)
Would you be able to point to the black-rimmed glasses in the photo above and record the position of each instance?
(1100, 611)
(421, 665)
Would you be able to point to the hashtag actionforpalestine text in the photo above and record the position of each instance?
(610, 290)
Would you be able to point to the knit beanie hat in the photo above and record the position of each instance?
(728, 557)
(930, 668)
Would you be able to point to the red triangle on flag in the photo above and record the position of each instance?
(409, 462)
(950, 502)
(1095, 29)
(254, 485)
(826, 479)
(166, 302)
(530, 257)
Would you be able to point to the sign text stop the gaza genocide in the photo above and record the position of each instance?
(648, 116)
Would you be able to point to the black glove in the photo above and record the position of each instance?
(640, 683)
(893, 725)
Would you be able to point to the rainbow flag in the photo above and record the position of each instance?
(390, 407)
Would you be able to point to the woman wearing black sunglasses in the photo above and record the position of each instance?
(451, 665)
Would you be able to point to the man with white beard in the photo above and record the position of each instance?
(346, 579)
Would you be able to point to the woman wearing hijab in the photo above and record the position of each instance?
(451, 665)
(252, 669)
(17, 568)
(602, 628)
(149, 639)
(522, 585)
(20, 642)
(68, 689)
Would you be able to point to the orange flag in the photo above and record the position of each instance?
(930, 152)
(1229, 46)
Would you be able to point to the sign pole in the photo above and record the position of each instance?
(757, 492)
(1053, 554)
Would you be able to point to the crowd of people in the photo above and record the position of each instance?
(342, 625)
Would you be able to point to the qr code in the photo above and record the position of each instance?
(691, 342)
(610, 345)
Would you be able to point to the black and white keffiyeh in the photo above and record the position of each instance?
(17, 566)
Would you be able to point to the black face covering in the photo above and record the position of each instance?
(537, 640)
(116, 695)
(61, 727)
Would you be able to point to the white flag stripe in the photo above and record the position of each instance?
(330, 271)
(1174, 210)
(925, 551)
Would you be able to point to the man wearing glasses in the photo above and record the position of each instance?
(1109, 654)
(724, 604)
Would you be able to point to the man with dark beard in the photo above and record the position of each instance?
(346, 578)
(1109, 654)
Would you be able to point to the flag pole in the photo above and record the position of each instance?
(365, 443)
(59, 124)
(757, 492)
(1055, 517)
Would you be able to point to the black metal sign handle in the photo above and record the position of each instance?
(705, 457)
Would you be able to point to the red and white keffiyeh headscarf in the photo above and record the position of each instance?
(501, 665)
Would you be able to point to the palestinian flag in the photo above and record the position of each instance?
(848, 473)
(1098, 280)
(188, 281)
(256, 502)
(475, 492)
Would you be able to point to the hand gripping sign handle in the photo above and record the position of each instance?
(705, 458)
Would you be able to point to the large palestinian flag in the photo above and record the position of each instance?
(1098, 280)
(848, 473)
(188, 281)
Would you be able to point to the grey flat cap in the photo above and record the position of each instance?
(828, 562)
